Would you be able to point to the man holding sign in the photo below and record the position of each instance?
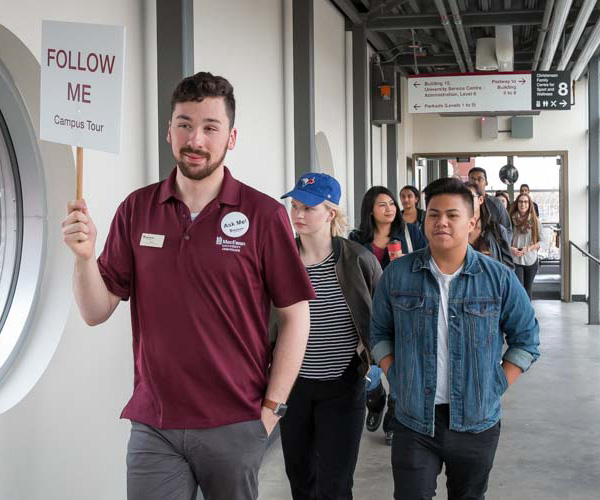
(201, 256)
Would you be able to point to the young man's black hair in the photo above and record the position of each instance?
(478, 169)
(449, 185)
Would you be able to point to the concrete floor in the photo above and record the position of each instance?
(550, 443)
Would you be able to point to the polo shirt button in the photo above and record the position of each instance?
(186, 237)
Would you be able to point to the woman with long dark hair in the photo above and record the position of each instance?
(488, 237)
(382, 231)
(321, 431)
(527, 237)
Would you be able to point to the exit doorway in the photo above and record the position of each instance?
(546, 175)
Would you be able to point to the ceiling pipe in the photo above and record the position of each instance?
(461, 33)
(450, 33)
(558, 23)
(580, 23)
(542, 36)
(587, 52)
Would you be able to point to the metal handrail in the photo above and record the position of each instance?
(588, 255)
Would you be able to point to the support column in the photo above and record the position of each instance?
(392, 158)
(510, 160)
(175, 61)
(361, 121)
(594, 190)
(304, 87)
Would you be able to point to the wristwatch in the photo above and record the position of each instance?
(278, 408)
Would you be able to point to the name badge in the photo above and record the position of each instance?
(152, 240)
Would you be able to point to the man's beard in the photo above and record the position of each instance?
(194, 172)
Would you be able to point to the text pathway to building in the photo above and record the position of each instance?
(466, 93)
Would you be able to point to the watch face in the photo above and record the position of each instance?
(281, 409)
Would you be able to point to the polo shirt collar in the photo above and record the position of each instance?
(228, 195)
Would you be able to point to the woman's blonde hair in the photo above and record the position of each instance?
(339, 223)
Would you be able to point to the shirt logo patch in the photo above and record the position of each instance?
(152, 240)
(235, 224)
(230, 245)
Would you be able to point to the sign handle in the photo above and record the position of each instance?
(79, 173)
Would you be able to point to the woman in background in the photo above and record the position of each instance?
(527, 236)
(381, 225)
(504, 198)
(411, 213)
(321, 431)
(488, 237)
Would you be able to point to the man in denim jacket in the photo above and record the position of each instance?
(440, 318)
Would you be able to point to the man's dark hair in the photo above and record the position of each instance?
(478, 169)
(524, 185)
(414, 190)
(201, 85)
(449, 185)
(367, 222)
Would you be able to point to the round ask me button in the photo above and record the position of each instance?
(235, 224)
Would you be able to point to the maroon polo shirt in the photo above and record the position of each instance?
(200, 300)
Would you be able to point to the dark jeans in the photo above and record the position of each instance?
(320, 436)
(417, 460)
(526, 274)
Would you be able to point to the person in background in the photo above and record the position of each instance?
(494, 206)
(381, 226)
(524, 189)
(527, 237)
(441, 319)
(320, 434)
(504, 198)
(410, 197)
(488, 237)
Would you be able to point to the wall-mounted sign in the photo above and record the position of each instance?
(82, 84)
(551, 90)
(488, 92)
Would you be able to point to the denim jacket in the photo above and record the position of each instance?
(485, 300)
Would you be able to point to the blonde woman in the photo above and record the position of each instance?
(527, 236)
(321, 431)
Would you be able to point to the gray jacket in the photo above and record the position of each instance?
(358, 272)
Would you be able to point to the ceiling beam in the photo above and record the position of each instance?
(348, 9)
(408, 60)
(470, 19)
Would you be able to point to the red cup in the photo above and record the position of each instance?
(394, 249)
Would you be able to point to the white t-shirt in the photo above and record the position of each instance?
(442, 395)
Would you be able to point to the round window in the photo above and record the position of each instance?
(11, 221)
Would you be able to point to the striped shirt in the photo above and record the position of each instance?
(333, 338)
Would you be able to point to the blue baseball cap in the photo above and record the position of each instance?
(313, 188)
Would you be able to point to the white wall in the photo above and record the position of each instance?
(64, 440)
(330, 86)
(244, 42)
(552, 131)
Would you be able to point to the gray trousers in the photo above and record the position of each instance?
(171, 464)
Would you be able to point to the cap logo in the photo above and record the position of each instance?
(306, 180)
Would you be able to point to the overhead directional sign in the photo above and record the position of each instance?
(551, 90)
(480, 92)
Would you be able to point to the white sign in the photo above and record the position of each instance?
(82, 84)
(470, 93)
